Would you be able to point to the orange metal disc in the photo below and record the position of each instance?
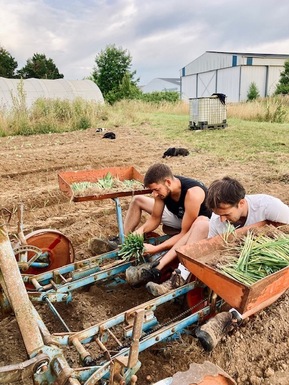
(57, 245)
(195, 299)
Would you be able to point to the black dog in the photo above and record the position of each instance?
(221, 97)
(175, 151)
(109, 135)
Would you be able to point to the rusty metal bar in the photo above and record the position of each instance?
(20, 232)
(55, 312)
(103, 348)
(114, 337)
(116, 373)
(16, 293)
(137, 331)
(83, 353)
(36, 284)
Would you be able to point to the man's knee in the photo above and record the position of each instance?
(201, 226)
(202, 221)
(137, 200)
(142, 202)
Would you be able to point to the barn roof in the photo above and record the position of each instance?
(252, 54)
(172, 80)
(46, 88)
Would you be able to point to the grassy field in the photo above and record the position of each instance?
(254, 134)
(47, 116)
(253, 150)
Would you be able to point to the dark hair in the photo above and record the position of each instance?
(226, 190)
(157, 173)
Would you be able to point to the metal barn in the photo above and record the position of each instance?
(46, 88)
(162, 84)
(231, 73)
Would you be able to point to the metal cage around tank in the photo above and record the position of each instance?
(208, 112)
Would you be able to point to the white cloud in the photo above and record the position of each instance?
(161, 37)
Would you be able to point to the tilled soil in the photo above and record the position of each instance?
(255, 353)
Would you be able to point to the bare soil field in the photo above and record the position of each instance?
(254, 354)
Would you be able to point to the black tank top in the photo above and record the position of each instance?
(178, 208)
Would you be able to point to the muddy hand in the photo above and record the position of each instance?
(149, 249)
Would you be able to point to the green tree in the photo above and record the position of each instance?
(8, 64)
(113, 74)
(126, 90)
(283, 85)
(253, 92)
(39, 67)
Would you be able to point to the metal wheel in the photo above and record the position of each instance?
(52, 243)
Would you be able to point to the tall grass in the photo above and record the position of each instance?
(48, 116)
(55, 115)
(273, 109)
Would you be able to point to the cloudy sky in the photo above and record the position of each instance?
(162, 36)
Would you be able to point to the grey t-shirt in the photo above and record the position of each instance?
(261, 207)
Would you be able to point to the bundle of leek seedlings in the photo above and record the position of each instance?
(256, 256)
(132, 248)
(106, 184)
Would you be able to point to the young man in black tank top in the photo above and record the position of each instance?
(179, 203)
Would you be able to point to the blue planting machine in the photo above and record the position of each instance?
(42, 264)
(40, 267)
(108, 351)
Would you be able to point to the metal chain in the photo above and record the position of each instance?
(173, 319)
(145, 334)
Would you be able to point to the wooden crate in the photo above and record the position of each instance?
(198, 258)
(67, 178)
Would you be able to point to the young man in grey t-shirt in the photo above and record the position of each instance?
(230, 205)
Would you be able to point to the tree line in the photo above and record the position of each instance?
(112, 73)
(39, 66)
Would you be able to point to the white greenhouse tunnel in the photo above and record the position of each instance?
(34, 89)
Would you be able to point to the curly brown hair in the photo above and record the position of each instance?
(226, 190)
(157, 173)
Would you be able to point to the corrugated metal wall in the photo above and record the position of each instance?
(273, 78)
(207, 62)
(231, 74)
(229, 80)
(250, 74)
(188, 87)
